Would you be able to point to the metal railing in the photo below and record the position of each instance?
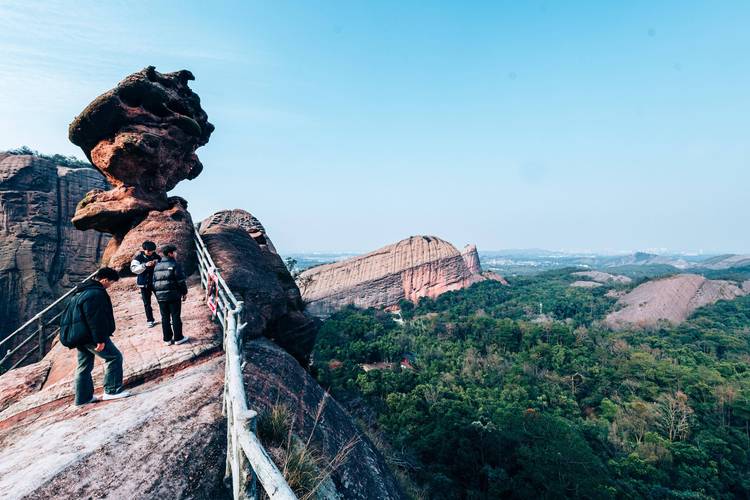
(247, 460)
(35, 334)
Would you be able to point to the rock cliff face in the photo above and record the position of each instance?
(273, 378)
(273, 304)
(420, 266)
(142, 135)
(670, 299)
(41, 254)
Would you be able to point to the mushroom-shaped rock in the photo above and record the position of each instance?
(142, 135)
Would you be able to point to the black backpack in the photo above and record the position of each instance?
(71, 336)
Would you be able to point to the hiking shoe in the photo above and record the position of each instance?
(151, 324)
(93, 399)
(182, 340)
(119, 395)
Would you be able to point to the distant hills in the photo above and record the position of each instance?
(638, 264)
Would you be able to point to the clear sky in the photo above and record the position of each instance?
(348, 125)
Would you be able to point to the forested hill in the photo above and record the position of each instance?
(485, 398)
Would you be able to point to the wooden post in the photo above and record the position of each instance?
(42, 339)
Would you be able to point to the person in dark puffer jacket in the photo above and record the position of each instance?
(170, 290)
(93, 320)
(142, 266)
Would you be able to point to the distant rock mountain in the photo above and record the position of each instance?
(671, 299)
(648, 259)
(726, 262)
(41, 253)
(419, 266)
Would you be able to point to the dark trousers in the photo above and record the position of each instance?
(146, 297)
(112, 371)
(171, 324)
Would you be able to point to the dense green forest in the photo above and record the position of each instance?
(505, 402)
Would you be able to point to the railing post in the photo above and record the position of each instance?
(248, 484)
(42, 338)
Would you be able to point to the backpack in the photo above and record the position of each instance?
(73, 333)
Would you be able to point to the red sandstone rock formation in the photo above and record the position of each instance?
(670, 299)
(246, 221)
(41, 254)
(471, 258)
(142, 135)
(273, 304)
(420, 266)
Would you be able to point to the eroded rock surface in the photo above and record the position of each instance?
(41, 253)
(272, 378)
(173, 225)
(246, 221)
(166, 441)
(670, 299)
(420, 266)
(273, 306)
(142, 135)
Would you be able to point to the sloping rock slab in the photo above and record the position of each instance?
(166, 441)
(272, 376)
(145, 355)
(671, 299)
(19, 383)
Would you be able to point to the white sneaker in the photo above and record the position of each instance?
(151, 324)
(119, 395)
(168, 342)
(182, 340)
(93, 399)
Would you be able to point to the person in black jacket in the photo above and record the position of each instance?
(170, 290)
(142, 266)
(94, 320)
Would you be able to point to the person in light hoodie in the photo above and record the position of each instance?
(142, 266)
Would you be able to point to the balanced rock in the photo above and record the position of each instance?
(142, 135)
(273, 306)
(420, 266)
(41, 254)
(670, 299)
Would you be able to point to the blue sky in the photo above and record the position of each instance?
(344, 126)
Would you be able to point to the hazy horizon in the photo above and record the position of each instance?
(346, 127)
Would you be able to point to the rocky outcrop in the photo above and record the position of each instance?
(471, 258)
(604, 278)
(273, 378)
(420, 266)
(142, 135)
(173, 225)
(273, 306)
(244, 220)
(670, 299)
(41, 253)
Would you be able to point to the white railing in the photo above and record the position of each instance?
(46, 324)
(246, 457)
